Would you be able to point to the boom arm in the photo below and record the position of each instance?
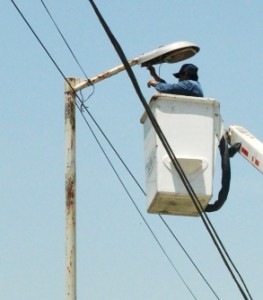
(251, 148)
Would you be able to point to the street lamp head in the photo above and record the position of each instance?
(171, 53)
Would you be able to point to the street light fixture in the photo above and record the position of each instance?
(171, 53)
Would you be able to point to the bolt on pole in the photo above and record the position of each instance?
(70, 189)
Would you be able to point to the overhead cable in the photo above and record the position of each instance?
(140, 187)
(168, 149)
(43, 44)
(74, 56)
(38, 39)
(69, 48)
(81, 111)
(134, 203)
(122, 161)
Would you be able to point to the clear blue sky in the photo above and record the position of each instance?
(117, 256)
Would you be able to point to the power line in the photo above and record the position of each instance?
(62, 74)
(135, 205)
(74, 56)
(166, 145)
(38, 39)
(68, 46)
(139, 186)
(122, 161)
(189, 257)
(42, 43)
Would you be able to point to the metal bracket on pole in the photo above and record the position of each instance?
(85, 83)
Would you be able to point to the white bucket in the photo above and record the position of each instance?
(193, 128)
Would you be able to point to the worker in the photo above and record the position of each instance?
(187, 85)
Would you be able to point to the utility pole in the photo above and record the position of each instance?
(72, 86)
(171, 53)
(70, 189)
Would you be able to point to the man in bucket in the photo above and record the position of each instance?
(187, 85)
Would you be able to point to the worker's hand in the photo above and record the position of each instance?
(152, 83)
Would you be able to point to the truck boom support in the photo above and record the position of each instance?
(251, 148)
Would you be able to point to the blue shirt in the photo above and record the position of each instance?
(184, 87)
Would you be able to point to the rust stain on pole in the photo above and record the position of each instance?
(70, 195)
(69, 112)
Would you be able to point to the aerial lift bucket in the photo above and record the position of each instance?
(193, 128)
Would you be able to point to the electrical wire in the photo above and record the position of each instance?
(69, 48)
(81, 111)
(62, 36)
(169, 151)
(189, 257)
(122, 161)
(134, 203)
(40, 40)
(142, 190)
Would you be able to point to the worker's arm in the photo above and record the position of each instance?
(154, 75)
